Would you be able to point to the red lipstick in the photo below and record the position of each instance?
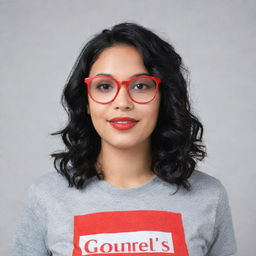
(123, 123)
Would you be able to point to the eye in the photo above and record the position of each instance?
(104, 87)
(140, 86)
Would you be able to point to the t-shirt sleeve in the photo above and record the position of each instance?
(223, 240)
(29, 234)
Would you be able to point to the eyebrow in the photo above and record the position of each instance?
(137, 74)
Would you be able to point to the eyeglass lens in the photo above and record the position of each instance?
(104, 89)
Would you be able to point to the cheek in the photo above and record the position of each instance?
(150, 116)
(154, 109)
(153, 116)
(97, 113)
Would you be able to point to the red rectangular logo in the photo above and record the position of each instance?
(139, 232)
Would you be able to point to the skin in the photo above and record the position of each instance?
(125, 154)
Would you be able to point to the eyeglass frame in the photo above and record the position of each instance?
(88, 80)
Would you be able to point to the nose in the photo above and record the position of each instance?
(122, 100)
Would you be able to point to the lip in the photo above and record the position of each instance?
(127, 126)
(123, 126)
(124, 118)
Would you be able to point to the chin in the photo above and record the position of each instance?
(126, 143)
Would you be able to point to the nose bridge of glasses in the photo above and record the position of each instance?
(123, 84)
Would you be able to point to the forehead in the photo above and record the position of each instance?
(119, 60)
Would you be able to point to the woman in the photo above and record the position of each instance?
(127, 182)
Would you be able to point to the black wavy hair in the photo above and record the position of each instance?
(176, 142)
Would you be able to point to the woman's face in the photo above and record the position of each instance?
(122, 62)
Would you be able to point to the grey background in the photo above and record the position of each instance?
(40, 41)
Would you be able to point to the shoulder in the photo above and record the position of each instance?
(207, 184)
(49, 180)
(200, 179)
(51, 183)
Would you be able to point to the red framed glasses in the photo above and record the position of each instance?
(104, 89)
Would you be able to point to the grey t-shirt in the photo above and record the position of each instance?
(103, 219)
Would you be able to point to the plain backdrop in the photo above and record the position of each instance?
(40, 41)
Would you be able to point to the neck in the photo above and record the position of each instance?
(129, 167)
